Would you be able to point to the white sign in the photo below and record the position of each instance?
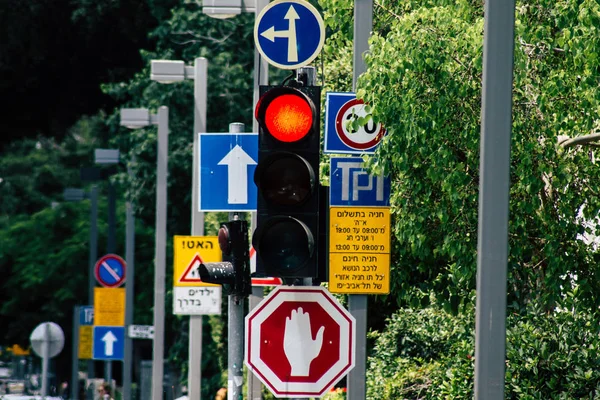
(141, 331)
(201, 300)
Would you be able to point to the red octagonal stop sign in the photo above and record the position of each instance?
(300, 341)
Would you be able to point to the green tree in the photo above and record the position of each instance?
(424, 83)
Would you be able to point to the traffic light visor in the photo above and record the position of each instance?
(285, 244)
(285, 179)
(286, 113)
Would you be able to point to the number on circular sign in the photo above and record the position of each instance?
(363, 138)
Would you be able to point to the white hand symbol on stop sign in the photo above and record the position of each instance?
(299, 346)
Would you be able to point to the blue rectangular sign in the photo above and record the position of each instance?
(86, 315)
(109, 342)
(226, 176)
(352, 185)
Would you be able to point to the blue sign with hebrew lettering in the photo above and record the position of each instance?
(352, 185)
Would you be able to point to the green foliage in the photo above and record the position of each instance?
(428, 354)
(422, 354)
(553, 356)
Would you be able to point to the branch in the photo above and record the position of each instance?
(565, 141)
(378, 3)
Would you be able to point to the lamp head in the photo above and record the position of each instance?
(167, 71)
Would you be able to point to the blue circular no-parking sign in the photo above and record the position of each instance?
(289, 33)
(110, 271)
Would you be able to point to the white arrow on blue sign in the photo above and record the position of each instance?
(226, 178)
(109, 343)
(289, 33)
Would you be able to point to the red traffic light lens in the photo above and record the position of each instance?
(285, 243)
(224, 239)
(286, 113)
(288, 118)
(285, 179)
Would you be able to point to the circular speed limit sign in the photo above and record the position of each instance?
(362, 138)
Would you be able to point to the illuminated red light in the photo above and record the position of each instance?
(288, 118)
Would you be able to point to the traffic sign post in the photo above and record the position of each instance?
(192, 296)
(359, 229)
(110, 271)
(47, 341)
(289, 34)
(227, 164)
(109, 343)
(341, 109)
(300, 341)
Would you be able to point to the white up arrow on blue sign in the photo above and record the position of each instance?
(289, 33)
(226, 178)
(109, 343)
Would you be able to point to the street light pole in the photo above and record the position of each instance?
(168, 71)
(129, 294)
(93, 257)
(160, 253)
(195, 330)
(110, 249)
(138, 118)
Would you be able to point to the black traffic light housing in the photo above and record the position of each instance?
(287, 176)
(234, 270)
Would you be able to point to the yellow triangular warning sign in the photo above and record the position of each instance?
(190, 274)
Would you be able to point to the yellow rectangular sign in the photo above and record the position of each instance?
(85, 342)
(109, 306)
(359, 229)
(359, 273)
(359, 250)
(189, 252)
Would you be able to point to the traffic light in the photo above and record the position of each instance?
(287, 176)
(234, 270)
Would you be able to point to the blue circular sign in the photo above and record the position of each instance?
(110, 270)
(289, 33)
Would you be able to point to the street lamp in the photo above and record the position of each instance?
(227, 8)
(138, 118)
(167, 71)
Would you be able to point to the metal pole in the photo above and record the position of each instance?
(45, 359)
(195, 332)
(92, 260)
(235, 355)
(261, 77)
(492, 242)
(363, 25)
(160, 253)
(75, 356)
(357, 304)
(235, 332)
(129, 294)
(111, 248)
